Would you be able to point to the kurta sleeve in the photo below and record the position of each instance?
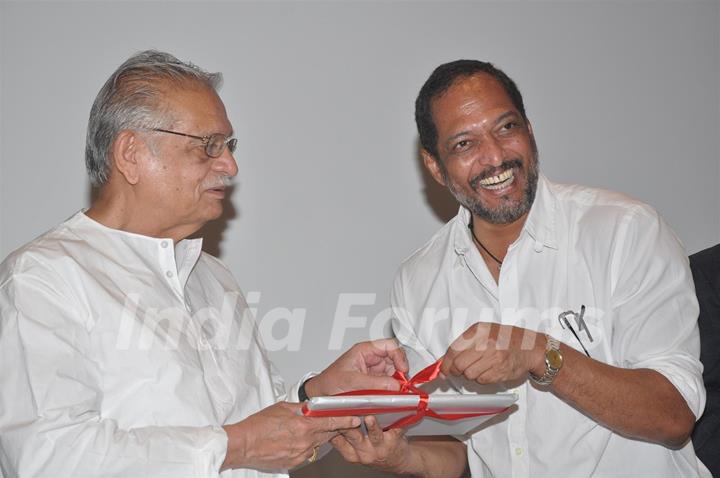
(50, 396)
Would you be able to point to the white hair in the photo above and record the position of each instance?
(132, 98)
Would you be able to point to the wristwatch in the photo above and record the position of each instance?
(553, 362)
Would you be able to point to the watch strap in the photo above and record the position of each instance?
(302, 394)
(552, 346)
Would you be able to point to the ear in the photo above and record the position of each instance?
(125, 152)
(432, 165)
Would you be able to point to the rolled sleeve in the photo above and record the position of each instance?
(656, 309)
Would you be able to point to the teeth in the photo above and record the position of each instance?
(496, 180)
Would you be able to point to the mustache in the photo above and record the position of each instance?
(219, 182)
(494, 171)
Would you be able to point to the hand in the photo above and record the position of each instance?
(367, 365)
(386, 451)
(279, 438)
(491, 353)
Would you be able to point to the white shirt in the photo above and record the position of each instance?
(579, 246)
(122, 355)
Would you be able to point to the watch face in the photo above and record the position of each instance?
(554, 358)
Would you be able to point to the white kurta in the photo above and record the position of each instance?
(579, 246)
(122, 355)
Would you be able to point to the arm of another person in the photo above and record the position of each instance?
(655, 392)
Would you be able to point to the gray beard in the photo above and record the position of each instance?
(508, 211)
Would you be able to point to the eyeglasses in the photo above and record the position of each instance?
(214, 143)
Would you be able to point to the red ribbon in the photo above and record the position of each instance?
(407, 387)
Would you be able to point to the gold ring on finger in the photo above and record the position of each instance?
(314, 456)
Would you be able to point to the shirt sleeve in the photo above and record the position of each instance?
(403, 328)
(654, 306)
(51, 393)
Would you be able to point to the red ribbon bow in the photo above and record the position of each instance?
(407, 387)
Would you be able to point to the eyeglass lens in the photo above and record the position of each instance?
(216, 145)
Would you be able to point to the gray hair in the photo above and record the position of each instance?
(132, 98)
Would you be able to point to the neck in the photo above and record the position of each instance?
(121, 210)
(496, 238)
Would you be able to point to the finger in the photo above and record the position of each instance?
(354, 437)
(464, 350)
(476, 369)
(487, 377)
(466, 359)
(345, 449)
(375, 433)
(447, 362)
(476, 336)
(461, 362)
(493, 374)
(455, 349)
(450, 363)
(324, 428)
(375, 382)
(397, 354)
(384, 367)
(391, 349)
(332, 424)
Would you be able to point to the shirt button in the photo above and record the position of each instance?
(169, 274)
(518, 451)
(538, 247)
(164, 244)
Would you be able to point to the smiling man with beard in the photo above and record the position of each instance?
(579, 300)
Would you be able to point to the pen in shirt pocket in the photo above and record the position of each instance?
(582, 326)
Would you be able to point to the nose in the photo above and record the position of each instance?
(225, 163)
(491, 152)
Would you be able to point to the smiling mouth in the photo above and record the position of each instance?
(502, 180)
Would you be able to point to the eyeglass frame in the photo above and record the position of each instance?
(229, 142)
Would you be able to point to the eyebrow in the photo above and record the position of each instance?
(500, 119)
(231, 135)
(506, 115)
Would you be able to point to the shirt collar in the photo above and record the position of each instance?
(185, 253)
(540, 223)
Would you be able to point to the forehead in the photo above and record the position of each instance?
(197, 109)
(471, 97)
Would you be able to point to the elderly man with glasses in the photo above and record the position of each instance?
(127, 351)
